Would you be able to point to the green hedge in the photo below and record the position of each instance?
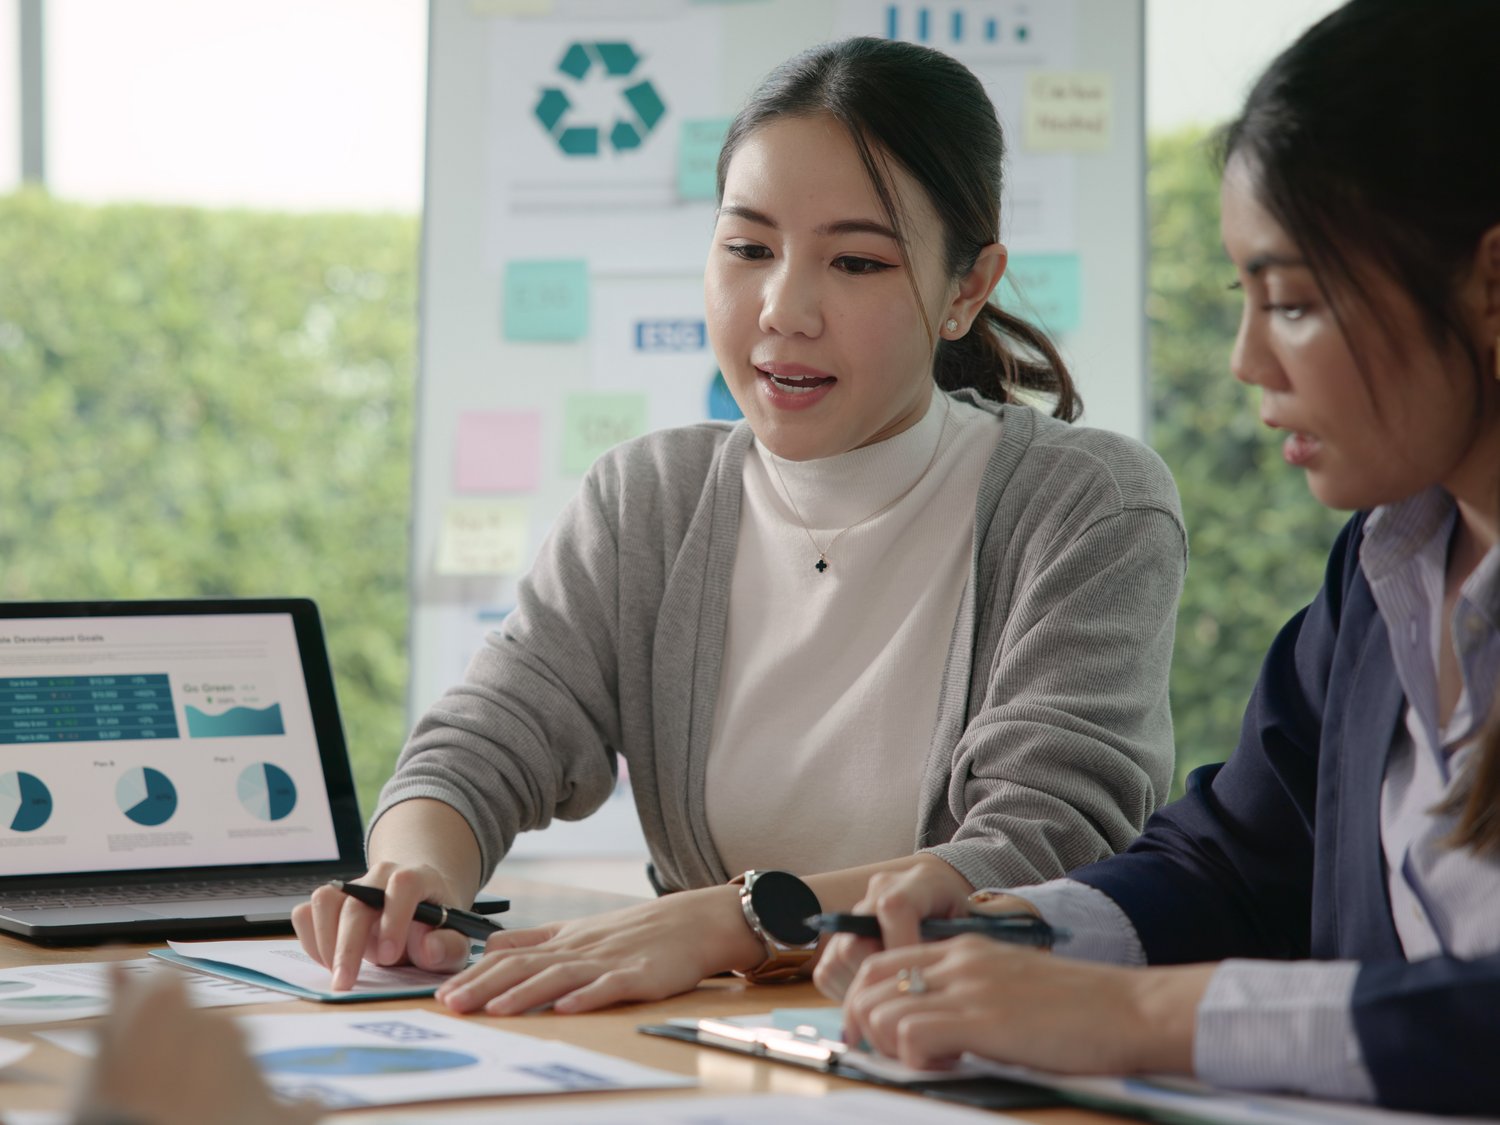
(200, 402)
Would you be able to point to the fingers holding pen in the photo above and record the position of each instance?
(899, 900)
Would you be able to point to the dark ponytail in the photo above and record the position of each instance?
(1003, 354)
(928, 113)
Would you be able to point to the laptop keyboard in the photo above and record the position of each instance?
(115, 895)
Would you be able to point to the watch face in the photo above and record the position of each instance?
(782, 901)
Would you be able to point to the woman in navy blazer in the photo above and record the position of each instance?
(1321, 913)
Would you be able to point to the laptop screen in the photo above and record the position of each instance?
(168, 735)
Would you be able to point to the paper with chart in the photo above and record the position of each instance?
(283, 966)
(349, 1059)
(48, 993)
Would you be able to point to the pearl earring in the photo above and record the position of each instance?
(952, 325)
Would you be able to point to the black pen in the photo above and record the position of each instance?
(1017, 928)
(441, 917)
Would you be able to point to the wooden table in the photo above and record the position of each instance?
(44, 1079)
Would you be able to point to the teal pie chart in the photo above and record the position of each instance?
(354, 1059)
(25, 803)
(266, 791)
(146, 796)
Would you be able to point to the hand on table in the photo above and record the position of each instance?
(645, 952)
(166, 1063)
(338, 931)
(927, 1004)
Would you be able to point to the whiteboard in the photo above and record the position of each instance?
(566, 218)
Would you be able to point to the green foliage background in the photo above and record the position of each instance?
(1257, 537)
(204, 402)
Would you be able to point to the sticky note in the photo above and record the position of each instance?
(595, 421)
(546, 300)
(487, 537)
(1068, 111)
(497, 451)
(1046, 289)
(722, 406)
(698, 147)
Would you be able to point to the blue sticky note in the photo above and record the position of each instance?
(546, 300)
(698, 147)
(1046, 289)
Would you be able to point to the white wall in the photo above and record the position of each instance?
(10, 95)
(1202, 55)
(287, 104)
(317, 104)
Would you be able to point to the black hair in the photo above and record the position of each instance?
(927, 112)
(1374, 141)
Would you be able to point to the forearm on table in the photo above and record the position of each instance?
(429, 833)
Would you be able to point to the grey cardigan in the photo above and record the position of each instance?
(1053, 740)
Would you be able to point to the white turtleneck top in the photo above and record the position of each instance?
(829, 688)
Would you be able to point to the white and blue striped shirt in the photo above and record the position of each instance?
(1287, 1026)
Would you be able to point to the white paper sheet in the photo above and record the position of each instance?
(12, 1051)
(361, 1058)
(48, 993)
(863, 1108)
(286, 961)
(618, 209)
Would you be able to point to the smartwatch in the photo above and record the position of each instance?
(775, 904)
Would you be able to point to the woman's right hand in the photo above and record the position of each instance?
(338, 931)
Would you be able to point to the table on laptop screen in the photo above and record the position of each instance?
(151, 742)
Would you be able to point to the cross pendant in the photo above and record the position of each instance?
(821, 565)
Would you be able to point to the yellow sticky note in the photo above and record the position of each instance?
(483, 537)
(1068, 111)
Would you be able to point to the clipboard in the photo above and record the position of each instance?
(804, 1047)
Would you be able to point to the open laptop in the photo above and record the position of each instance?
(168, 768)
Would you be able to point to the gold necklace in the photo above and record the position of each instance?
(823, 564)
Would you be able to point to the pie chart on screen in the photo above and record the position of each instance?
(146, 796)
(266, 791)
(25, 803)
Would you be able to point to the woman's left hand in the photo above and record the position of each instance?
(644, 952)
(927, 1004)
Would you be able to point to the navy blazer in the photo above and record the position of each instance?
(1277, 854)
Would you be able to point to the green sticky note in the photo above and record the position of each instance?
(698, 157)
(596, 421)
(546, 300)
(1046, 289)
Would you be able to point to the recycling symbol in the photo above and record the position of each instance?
(641, 107)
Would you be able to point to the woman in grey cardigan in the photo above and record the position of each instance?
(895, 620)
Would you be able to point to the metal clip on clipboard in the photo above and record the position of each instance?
(802, 1046)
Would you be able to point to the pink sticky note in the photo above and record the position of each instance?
(498, 451)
